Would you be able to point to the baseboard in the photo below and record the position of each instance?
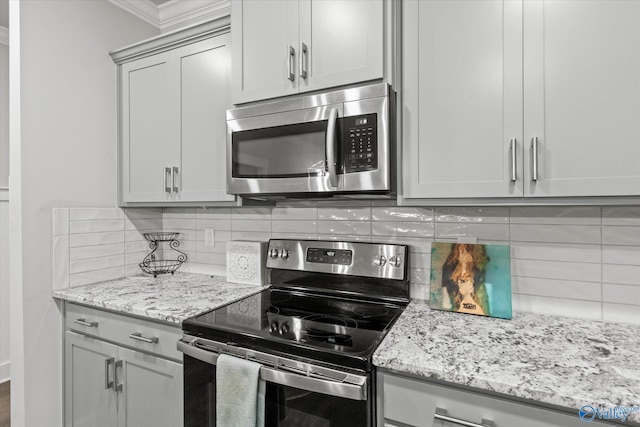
(5, 371)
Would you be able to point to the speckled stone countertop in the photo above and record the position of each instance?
(557, 360)
(171, 298)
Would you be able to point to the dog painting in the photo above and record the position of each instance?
(471, 278)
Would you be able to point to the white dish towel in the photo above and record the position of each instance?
(239, 393)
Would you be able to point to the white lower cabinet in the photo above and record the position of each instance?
(110, 385)
(413, 402)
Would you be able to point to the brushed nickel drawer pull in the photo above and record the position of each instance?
(83, 322)
(441, 414)
(108, 383)
(138, 337)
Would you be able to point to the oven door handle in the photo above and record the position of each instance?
(332, 168)
(356, 389)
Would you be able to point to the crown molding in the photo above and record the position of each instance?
(143, 9)
(174, 12)
(4, 36)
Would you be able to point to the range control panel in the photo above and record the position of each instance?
(329, 256)
(360, 143)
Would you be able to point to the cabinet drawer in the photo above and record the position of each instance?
(139, 334)
(411, 402)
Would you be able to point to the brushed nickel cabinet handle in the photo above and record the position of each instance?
(118, 387)
(138, 337)
(292, 54)
(167, 171)
(304, 59)
(441, 414)
(534, 158)
(512, 147)
(107, 383)
(83, 322)
(174, 179)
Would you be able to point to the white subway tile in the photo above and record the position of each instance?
(60, 221)
(95, 226)
(622, 313)
(555, 233)
(396, 214)
(218, 236)
(143, 224)
(455, 230)
(85, 252)
(416, 245)
(419, 291)
(143, 213)
(254, 236)
(621, 215)
(261, 225)
(570, 215)
(622, 294)
(86, 265)
(629, 255)
(362, 228)
(345, 237)
(419, 276)
(210, 258)
(60, 262)
(491, 215)
(294, 226)
(87, 214)
(138, 246)
(344, 214)
(557, 306)
(556, 251)
(251, 213)
(179, 213)
(216, 224)
(213, 213)
(419, 260)
(621, 274)
(185, 223)
(577, 271)
(131, 270)
(294, 235)
(218, 248)
(97, 276)
(92, 239)
(289, 213)
(571, 289)
(398, 229)
(344, 203)
(620, 235)
(297, 204)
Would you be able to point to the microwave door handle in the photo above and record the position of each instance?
(331, 147)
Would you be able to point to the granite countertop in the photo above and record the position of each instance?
(557, 360)
(171, 298)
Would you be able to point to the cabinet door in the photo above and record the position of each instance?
(204, 98)
(264, 33)
(462, 106)
(582, 97)
(344, 42)
(151, 391)
(90, 400)
(150, 134)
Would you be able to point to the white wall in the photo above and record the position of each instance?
(4, 196)
(67, 144)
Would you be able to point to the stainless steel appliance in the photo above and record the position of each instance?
(314, 331)
(330, 144)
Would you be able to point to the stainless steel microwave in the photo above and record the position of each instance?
(338, 143)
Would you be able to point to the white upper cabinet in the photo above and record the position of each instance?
(462, 116)
(582, 97)
(290, 46)
(506, 99)
(173, 122)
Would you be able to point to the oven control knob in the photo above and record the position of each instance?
(284, 328)
(284, 254)
(274, 253)
(273, 327)
(395, 261)
(379, 260)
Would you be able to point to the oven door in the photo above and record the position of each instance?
(296, 151)
(291, 399)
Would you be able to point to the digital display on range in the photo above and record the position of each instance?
(329, 256)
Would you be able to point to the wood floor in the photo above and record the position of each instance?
(5, 406)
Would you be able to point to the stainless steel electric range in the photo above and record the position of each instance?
(314, 331)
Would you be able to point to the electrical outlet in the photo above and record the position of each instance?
(209, 237)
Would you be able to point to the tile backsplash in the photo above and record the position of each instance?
(579, 261)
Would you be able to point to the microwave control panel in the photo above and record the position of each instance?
(360, 143)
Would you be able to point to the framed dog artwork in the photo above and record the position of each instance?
(471, 278)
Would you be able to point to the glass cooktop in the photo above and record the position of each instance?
(336, 330)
